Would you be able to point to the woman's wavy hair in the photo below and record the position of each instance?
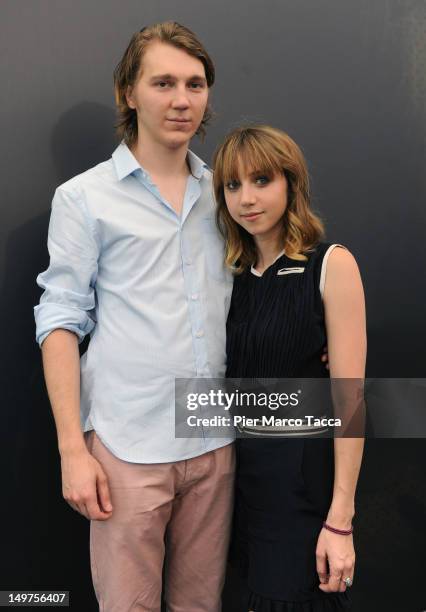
(127, 71)
(267, 150)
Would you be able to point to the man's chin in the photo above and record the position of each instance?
(178, 140)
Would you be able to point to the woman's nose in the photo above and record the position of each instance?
(248, 196)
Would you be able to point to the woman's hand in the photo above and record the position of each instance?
(324, 357)
(335, 560)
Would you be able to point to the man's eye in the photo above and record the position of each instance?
(232, 185)
(162, 84)
(196, 86)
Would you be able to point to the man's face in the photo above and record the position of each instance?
(170, 96)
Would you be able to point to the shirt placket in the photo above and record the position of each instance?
(192, 287)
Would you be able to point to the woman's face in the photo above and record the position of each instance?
(257, 202)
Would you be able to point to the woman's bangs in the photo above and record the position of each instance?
(231, 162)
(253, 155)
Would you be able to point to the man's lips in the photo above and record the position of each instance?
(252, 216)
(180, 120)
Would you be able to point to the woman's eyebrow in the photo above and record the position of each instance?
(257, 172)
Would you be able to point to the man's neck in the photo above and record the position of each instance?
(159, 160)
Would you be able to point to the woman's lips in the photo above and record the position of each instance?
(251, 216)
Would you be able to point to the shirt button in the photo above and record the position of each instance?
(188, 262)
(194, 296)
(199, 333)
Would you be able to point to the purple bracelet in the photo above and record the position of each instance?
(339, 531)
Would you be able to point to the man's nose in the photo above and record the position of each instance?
(180, 99)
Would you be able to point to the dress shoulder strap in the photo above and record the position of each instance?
(323, 274)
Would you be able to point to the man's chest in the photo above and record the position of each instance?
(173, 192)
(140, 236)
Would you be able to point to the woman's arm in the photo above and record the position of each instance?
(346, 336)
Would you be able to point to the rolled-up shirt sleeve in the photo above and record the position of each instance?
(68, 301)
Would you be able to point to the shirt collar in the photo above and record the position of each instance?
(125, 162)
(197, 165)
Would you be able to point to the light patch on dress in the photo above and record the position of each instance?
(294, 270)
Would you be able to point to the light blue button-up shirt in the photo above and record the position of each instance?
(151, 289)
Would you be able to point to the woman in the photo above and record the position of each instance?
(292, 295)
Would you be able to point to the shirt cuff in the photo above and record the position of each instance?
(57, 316)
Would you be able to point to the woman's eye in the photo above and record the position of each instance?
(232, 185)
(262, 180)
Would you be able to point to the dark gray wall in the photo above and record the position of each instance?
(347, 81)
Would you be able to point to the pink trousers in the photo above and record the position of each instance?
(177, 514)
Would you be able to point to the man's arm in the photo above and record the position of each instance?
(83, 479)
(61, 363)
(64, 316)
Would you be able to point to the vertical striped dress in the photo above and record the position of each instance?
(284, 486)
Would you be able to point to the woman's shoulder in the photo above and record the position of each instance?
(330, 251)
(313, 256)
(329, 256)
(336, 254)
(342, 272)
(341, 262)
(321, 248)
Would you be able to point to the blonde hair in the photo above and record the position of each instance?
(267, 150)
(127, 71)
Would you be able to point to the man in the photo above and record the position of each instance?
(136, 261)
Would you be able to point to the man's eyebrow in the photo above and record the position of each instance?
(197, 77)
(171, 77)
(162, 76)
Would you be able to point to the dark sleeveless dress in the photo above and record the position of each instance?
(276, 329)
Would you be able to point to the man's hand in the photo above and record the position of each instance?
(85, 485)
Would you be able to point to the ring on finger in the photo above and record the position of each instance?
(348, 581)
